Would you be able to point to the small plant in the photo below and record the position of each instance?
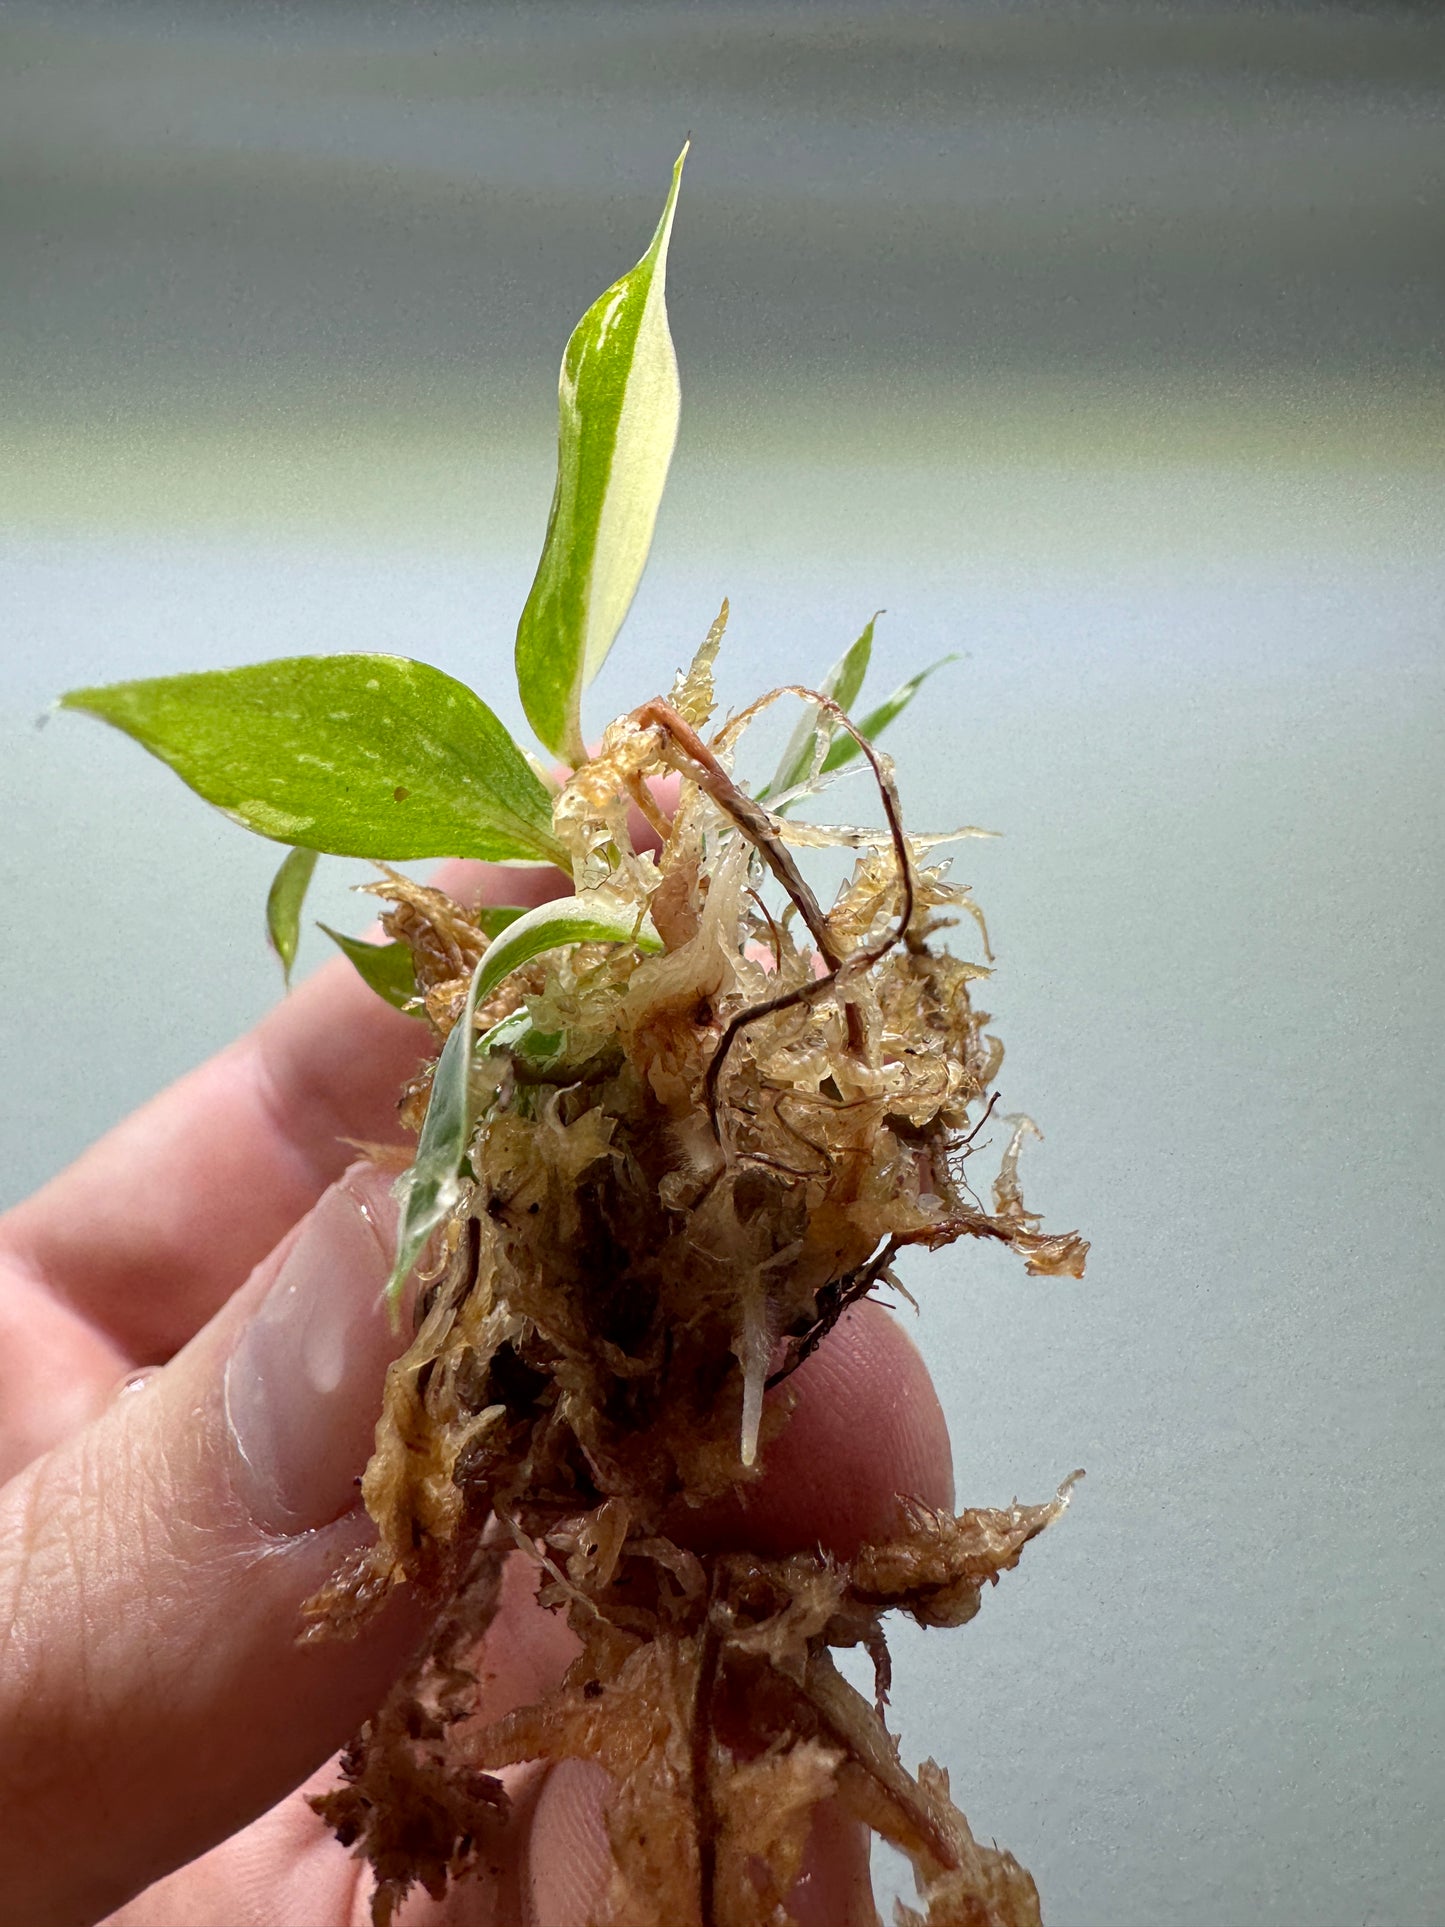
(680, 1120)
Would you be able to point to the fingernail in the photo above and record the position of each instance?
(303, 1386)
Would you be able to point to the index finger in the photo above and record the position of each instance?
(153, 1228)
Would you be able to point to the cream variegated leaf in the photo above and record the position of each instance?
(618, 402)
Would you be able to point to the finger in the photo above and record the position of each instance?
(866, 1431)
(569, 1858)
(159, 1222)
(153, 1698)
(867, 1376)
(866, 1428)
(56, 1371)
(281, 1871)
(286, 1867)
(286, 1870)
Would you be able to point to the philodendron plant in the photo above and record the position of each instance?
(679, 1121)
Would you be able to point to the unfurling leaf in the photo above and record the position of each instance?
(432, 1187)
(386, 967)
(283, 905)
(843, 683)
(372, 756)
(618, 401)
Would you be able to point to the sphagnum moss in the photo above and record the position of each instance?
(677, 1125)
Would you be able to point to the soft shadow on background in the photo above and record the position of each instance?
(1101, 346)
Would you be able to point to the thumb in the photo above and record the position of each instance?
(152, 1695)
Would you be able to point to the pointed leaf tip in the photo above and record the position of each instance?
(843, 682)
(618, 404)
(844, 748)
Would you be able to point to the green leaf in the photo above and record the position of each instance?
(386, 967)
(390, 969)
(433, 1185)
(494, 918)
(371, 756)
(518, 1035)
(844, 748)
(618, 401)
(842, 682)
(283, 905)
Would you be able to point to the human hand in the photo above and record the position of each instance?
(159, 1726)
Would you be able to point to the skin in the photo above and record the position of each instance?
(158, 1724)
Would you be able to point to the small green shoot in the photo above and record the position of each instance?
(844, 748)
(843, 683)
(432, 1186)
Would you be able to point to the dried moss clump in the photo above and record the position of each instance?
(686, 1166)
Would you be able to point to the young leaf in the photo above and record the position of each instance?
(518, 1035)
(371, 756)
(432, 1186)
(842, 682)
(618, 401)
(283, 905)
(844, 748)
(386, 967)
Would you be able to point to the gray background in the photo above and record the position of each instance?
(1101, 346)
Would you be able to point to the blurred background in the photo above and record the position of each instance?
(1099, 345)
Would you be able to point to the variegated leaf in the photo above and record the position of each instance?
(618, 403)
